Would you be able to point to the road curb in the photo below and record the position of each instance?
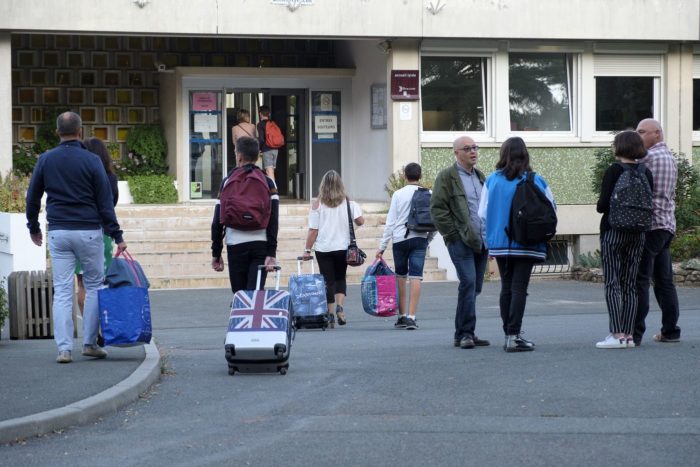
(86, 410)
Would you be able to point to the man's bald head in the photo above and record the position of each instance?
(651, 132)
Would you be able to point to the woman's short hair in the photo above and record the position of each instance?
(96, 146)
(629, 144)
(413, 172)
(514, 158)
(331, 191)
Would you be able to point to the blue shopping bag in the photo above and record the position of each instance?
(125, 315)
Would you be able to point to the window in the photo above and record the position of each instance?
(696, 104)
(453, 93)
(627, 90)
(622, 101)
(539, 91)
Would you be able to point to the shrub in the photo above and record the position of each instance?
(397, 180)
(13, 193)
(23, 158)
(147, 151)
(152, 189)
(590, 260)
(686, 245)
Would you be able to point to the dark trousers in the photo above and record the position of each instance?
(243, 262)
(621, 253)
(515, 277)
(470, 266)
(656, 265)
(333, 269)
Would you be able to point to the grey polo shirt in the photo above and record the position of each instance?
(472, 187)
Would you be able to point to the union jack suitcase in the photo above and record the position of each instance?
(259, 336)
(308, 297)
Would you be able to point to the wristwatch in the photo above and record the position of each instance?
(307, 250)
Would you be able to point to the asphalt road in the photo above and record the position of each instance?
(367, 394)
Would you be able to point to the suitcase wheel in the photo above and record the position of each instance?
(283, 370)
(231, 370)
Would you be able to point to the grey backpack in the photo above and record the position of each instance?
(631, 201)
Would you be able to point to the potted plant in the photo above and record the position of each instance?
(17, 251)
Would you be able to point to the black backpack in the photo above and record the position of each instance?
(631, 201)
(419, 218)
(532, 217)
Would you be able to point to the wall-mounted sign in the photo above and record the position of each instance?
(326, 123)
(204, 101)
(404, 85)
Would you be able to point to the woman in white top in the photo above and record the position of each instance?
(330, 232)
(243, 127)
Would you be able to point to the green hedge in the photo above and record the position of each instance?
(152, 189)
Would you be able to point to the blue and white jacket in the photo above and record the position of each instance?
(494, 210)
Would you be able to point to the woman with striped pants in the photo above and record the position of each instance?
(621, 249)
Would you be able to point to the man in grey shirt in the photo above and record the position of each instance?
(455, 211)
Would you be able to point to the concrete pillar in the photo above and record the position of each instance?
(5, 103)
(678, 124)
(404, 135)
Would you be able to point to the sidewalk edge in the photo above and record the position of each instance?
(86, 410)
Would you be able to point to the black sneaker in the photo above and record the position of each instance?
(401, 322)
(517, 344)
(467, 343)
(411, 324)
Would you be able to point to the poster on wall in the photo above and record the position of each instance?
(206, 123)
(404, 85)
(325, 126)
(204, 101)
(195, 190)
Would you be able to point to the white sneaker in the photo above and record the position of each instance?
(612, 342)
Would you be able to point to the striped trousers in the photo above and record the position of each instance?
(621, 254)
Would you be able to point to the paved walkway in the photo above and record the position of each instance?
(367, 394)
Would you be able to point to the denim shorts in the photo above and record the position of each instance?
(409, 257)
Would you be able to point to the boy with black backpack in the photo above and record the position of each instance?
(247, 218)
(409, 226)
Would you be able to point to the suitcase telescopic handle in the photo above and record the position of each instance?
(300, 259)
(277, 269)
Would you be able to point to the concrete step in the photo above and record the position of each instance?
(220, 280)
(164, 233)
(206, 209)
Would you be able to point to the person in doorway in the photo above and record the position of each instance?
(621, 251)
(409, 247)
(97, 147)
(269, 154)
(79, 208)
(243, 128)
(454, 207)
(329, 236)
(656, 258)
(246, 249)
(514, 260)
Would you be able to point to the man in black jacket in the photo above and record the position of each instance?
(78, 208)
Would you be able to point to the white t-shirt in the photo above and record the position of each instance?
(332, 225)
(396, 218)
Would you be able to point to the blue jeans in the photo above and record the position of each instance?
(470, 266)
(409, 257)
(656, 264)
(67, 247)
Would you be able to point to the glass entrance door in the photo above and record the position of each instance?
(206, 155)
(290, 173)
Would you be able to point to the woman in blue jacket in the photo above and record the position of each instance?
(514, 260)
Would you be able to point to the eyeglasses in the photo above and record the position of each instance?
(474, 148)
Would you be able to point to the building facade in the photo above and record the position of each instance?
(360, 86)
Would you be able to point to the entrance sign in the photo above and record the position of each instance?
(404, 85)
(204, 101)
(325, 123)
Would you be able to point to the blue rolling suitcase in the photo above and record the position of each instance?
(259, 337)
(308, 296)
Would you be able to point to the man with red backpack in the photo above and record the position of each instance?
(271, 139)
(247, 217)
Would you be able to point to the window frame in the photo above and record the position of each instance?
(627, 67)
(441, 137)
(695, 75)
